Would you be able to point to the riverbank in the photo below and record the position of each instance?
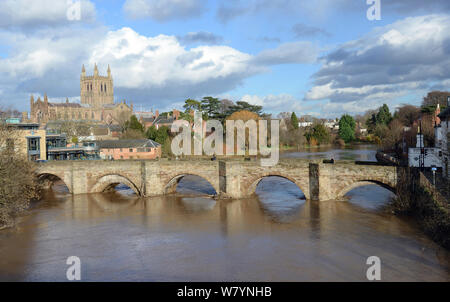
(315, 147)
(416, 197)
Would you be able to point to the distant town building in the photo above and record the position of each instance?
(159, 120)
(331, 124)
(304, 124)
(97, 103)
(129, 149)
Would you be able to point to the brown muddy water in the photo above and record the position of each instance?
(274, 236)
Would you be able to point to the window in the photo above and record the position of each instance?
(33, 144)
(121, 157)
(131, 150)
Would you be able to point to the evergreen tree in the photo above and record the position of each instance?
(210, 107)
(383, 116)
(244, 106)
(191, 104)
(134, 124)
(151, 132)
(294, 120)
(347, 128)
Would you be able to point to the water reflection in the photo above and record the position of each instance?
(280, 198)
(276, 235)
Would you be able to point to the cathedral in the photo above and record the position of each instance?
(96, 103)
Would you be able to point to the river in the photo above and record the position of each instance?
(276, 235)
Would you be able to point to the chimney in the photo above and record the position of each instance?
(419, 141)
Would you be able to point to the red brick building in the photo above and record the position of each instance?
(129, 149)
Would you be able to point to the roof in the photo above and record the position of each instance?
(163, 119)
(73, 105)
(100, 131)
(127, 143)
(445, 113)
(148, 119)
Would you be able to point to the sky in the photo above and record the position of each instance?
(323, 58)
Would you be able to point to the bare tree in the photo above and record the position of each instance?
(18, 184)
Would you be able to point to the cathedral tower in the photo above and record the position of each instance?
(96, 90)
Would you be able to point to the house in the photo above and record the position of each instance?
(304, 124)
(424, 157)
(129, 149)
(159, 120)
(442, 138)
(28, 140)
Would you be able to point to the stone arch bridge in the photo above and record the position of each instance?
(230, 178)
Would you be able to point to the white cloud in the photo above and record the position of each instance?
(156, 71)
(36, 13)
(163, 10)
(276, 103)
(160, 66)
(392, 61)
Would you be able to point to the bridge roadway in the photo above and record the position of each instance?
(231, 178)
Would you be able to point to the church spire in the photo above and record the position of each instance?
(95, 70)
(83, 71)
(109, 72)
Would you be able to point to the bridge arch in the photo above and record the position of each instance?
(48, 179)
(359, 183)
(111, 180)
(171, 185)
(254, 183)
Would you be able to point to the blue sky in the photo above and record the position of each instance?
(313, 57)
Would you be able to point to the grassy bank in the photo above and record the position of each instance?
(416, 197)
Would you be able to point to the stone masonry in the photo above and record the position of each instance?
(229, 178)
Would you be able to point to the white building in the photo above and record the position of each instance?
(442, 138)
(439, 155)
(430, 156)
(304, 124)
